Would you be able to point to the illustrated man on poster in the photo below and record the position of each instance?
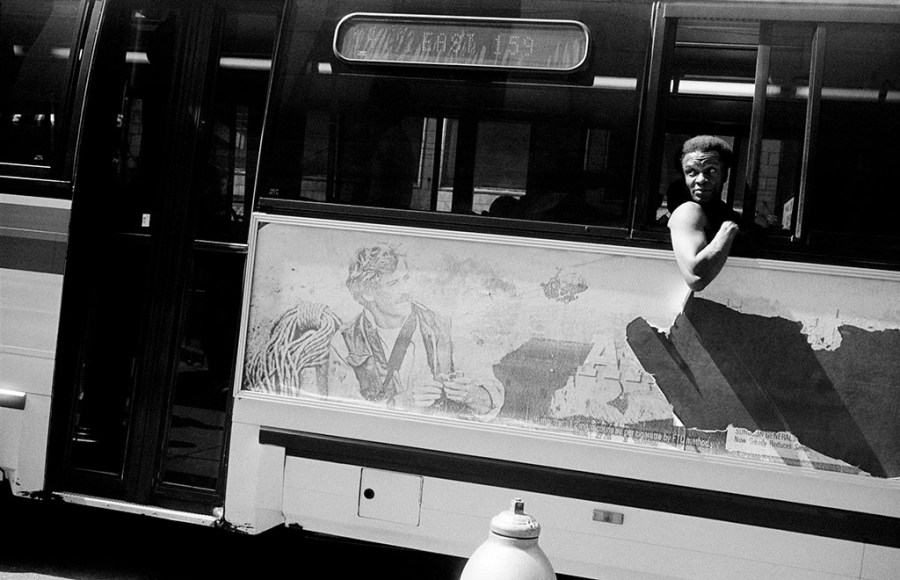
(399, 351)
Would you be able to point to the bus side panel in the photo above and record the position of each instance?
(880, 562)
(33, 233)
(29, 316)
(23, 444)
(253, 497)
(788, 449)
(454, 517)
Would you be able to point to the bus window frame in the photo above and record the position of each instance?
(804, 243)
(56, 177)
(444, 220)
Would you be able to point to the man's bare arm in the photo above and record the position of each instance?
(700, 260)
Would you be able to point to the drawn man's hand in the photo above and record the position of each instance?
(463, 390)
(426, 393)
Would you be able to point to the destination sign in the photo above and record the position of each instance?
(454, 41)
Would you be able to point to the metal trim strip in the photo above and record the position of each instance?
(36, 201)
(139, 509)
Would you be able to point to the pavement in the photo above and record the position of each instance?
(50, 540)
(41, 540)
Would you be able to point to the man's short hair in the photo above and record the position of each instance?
(709, 144)
(368, 266)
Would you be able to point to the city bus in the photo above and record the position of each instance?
(216, 214)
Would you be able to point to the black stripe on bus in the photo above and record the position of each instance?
(32, 254)
(714, 505)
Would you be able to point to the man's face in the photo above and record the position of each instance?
(704, 175)
(392, 295)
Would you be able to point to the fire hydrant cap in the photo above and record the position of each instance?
(515, 523)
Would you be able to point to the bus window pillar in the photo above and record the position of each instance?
(464, 173)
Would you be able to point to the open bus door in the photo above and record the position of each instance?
(152, 294)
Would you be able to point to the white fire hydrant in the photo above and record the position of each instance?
(511, 551)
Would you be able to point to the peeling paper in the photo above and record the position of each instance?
(822, 335)
(780, 447)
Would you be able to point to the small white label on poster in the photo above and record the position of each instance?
(767, 443)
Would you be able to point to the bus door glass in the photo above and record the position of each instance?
(158, 244)
(107, 298)
(222, 193)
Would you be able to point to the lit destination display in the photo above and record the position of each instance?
(541, 45)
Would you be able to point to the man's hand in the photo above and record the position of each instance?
(462, 390)
(730, 229)
(425, 393)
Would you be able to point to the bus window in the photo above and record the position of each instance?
(501, 166)
(777, 176)
(811, 110)
(853, 183)
(530, 145)
(37, 40)
(378, 164)
(709, 89)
